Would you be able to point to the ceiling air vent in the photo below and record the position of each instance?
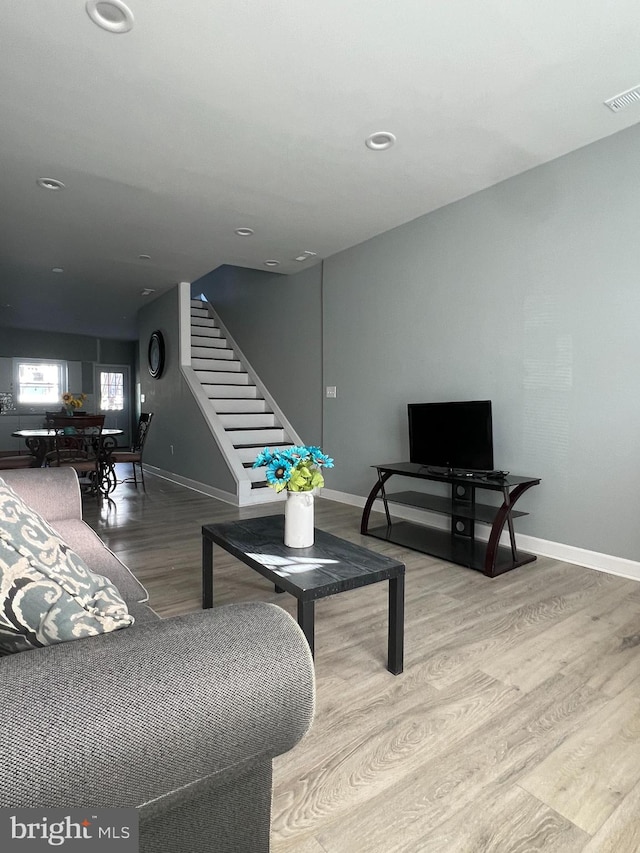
(624, 99)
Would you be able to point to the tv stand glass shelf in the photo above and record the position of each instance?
(458, 544)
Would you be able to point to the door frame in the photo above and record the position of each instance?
(118, 420)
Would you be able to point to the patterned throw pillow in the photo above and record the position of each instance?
(47, 593)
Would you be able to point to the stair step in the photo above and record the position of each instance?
(259, 497)
(262, 435)
(198, 303)
(212, 352)
(250, 420)
(257, 475)
(203, 322)
(233, 404)
(216, 364)
(215, 391)
(247, 455)
(199, 312)
(222, 377)
(209, 343)
(205, 331)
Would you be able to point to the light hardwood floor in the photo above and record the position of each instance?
(515, 726)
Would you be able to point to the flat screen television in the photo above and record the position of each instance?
(452, 435)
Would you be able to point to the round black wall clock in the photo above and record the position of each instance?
(156, 354)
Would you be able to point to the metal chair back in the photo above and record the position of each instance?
(134, 455)
(144, 423)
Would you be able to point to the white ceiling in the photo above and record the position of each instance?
(215, 114)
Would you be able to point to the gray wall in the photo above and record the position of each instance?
(81, 352)
(526, 294)
(177, 419)
(277, 323)
(23, 343)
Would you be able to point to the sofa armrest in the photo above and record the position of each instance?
(54, 493)
(126, 718)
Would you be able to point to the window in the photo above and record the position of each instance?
(111, 391)
(39, 383)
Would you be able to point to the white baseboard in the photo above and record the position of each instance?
(256, 497)
(194, 485)
(543, 547)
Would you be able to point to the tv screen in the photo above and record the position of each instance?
(452, 435)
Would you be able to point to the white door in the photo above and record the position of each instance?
(112, 398)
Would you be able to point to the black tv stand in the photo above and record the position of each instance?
(458, 544)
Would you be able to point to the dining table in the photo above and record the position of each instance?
(40, 442)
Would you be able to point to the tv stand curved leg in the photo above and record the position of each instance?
(503, 516)
(373, 494)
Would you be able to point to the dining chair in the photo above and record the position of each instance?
(134, 454)
(77, 444)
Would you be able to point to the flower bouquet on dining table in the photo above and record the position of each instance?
(70, 402)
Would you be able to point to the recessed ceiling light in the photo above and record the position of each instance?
(112, 15)
(272, 263)
(57, 269)
(50, 184)
(244, 232)
(311, 254)
(380, 140)
(147, 291)
(145, 257)
(302, 258)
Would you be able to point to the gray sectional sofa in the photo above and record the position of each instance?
(178, 717)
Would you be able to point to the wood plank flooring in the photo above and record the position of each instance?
(515, 726)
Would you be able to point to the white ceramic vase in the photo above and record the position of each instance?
(298, 520)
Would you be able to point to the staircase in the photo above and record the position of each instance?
(237, 407)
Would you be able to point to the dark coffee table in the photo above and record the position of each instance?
(331, 565)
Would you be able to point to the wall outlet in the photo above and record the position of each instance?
(171, 446)
(332, 391)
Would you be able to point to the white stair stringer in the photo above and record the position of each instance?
(242, 415)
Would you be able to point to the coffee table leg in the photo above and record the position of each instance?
(396, 625)
(207, 573)
(306, 620)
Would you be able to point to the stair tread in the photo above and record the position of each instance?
(250, 428)
(271, 444)
(249, 465)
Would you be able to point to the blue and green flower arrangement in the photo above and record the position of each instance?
(296, 469)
